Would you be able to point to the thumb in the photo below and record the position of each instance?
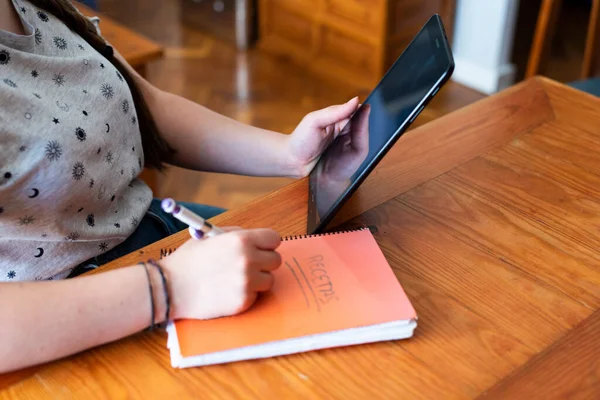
(332, 114)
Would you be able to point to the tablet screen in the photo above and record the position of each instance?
(380, 118)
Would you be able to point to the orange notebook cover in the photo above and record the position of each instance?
(331, 290)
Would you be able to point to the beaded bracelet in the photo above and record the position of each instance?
(153, 311)
(165, 288)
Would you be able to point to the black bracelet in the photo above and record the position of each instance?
(153, 312)
(165, 288)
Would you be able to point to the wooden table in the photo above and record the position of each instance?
(490, 218)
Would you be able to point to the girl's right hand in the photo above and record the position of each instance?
(221, 275)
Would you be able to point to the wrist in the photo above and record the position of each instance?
(158, 294)
(290, 165)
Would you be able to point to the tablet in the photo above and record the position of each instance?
(404, 91)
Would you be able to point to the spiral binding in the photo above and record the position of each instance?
(296, 237)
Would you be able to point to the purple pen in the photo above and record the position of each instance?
(198, 226)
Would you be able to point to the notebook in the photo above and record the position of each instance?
(331, 290)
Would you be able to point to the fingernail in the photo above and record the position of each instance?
(354, 98)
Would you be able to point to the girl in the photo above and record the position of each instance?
(77, 125)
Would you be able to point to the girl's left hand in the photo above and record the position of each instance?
(314, 133)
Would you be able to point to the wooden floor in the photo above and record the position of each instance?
(252, 87)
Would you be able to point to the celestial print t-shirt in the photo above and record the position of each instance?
(70, 151)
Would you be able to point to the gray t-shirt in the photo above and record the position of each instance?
(70, 151)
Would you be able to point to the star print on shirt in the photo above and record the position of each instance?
(56, 121)
(26, 220)
(34, 73)
(11, 274)
(60, 43)
(78, 171)
(107, 91)
(80, 133)
(41, 15)
(23, 10)
(53, 150)
(102, 66)
(38, 36)
(81, 47)
(103, 247)
(59, 79)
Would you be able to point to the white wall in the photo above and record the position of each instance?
(482, 43)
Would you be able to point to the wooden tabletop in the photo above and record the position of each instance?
(490, 218)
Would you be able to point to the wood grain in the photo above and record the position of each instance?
(570, 369)
(485, 240)
(441, 256)
(505, 234)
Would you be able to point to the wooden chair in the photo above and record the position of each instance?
(544, 32)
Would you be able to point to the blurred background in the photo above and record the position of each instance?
(269, 62)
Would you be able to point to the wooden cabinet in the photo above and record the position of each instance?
(354, 41)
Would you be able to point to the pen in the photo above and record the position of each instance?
(198, 226)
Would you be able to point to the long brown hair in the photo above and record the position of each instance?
(156, 149)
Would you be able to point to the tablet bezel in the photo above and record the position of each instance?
(435, 29)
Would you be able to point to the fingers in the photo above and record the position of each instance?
(231, 228)
(333, 114)
(261, 281)
(360, 130)
(266, 260)
(263, 239)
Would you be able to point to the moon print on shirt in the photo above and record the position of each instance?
(119, 76)
(41, 15)
(4, 57)
(78, 171)
(91, 220)
(37, 95)
(40, 252)
(80, 210)
(80, 47)
(59, 80)
(107, 128)
(35, 193)
(107, 91)
(38, 37)
(85, 113)
(53, 150)
(80, 134)
(65, 107)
